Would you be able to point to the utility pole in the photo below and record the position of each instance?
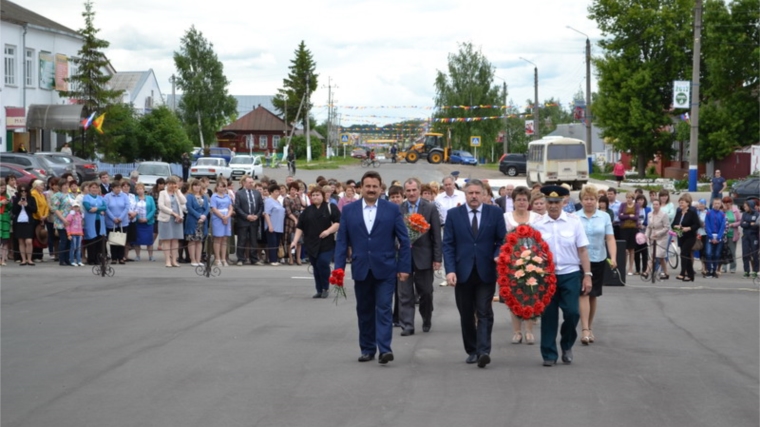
(174, 95)
(331, 135)
(536, 125)
(306, 116)
(694, 135)
(505, 141)
(588, 98)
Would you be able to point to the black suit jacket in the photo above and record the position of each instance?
(427, 249)
(104, 189)
(242, 209)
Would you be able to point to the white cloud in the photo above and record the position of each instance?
(376, 52)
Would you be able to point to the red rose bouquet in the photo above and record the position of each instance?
(336, 280)
(416, 226)
(526, 273)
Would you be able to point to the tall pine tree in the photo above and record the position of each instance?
(294, 86)
(89, 85)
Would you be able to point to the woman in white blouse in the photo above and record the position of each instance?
(519, 216)
(171, 207)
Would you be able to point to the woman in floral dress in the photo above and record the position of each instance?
(293, 209)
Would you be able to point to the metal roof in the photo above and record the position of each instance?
(13, 13)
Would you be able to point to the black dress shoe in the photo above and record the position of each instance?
(366, 357)
(407, 332)
(471, 359)
(483, 360)
(396, 324)
(550, 362)
(385, 358)
(317, 295)
(567, 357)
(426, 326)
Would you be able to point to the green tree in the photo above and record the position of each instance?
(648, 45)
(298, 144)
(469, 82)
(89, 85)
(301, 67)
(122, 134)
(730, 59)
(163, 136)
(204, 88)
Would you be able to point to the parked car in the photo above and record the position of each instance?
(83, 169)
(210, 167)
(462, 157)
(151, 171)
(30, 162)
(244, 164)
(223, 152)
(745, 190)
(22, 176)
(513, 164)
(359, 152)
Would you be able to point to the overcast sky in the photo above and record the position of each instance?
(376, 53)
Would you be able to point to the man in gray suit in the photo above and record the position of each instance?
(426, 258)
(248, 209)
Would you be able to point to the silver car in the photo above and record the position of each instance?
(151, 171)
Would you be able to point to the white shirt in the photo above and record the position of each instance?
(509, 218)
(509, 204)
(369, 212)
(564, 236)
(446, 202)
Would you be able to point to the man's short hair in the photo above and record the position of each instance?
(475, 181)
(134, 175)
(102, 173)
(372, 174)
(413, 181)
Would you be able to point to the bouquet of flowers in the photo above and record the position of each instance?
(526, 273)
(416, 226)
(336, 280)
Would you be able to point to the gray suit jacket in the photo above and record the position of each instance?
(427, 249)
(241, 206)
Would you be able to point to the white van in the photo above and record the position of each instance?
(557, 160)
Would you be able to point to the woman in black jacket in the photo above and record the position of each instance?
(687, 221)
(24, 224)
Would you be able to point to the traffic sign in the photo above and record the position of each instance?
(474, 141)
(344, 138)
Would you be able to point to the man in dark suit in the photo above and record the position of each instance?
(372, 228)
(472, 237)
(248, 209)
(426, 258)
(105, 183)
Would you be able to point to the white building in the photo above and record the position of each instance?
(140, 89)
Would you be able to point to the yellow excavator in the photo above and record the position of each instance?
(430, 146)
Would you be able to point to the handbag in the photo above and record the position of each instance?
(698, 244)
(280, 252)
(641, 239)
(117, 238)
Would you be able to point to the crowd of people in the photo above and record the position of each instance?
(266, 222)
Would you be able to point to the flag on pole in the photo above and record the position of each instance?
(98, 123)
(88, 121)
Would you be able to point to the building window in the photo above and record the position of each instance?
(276, 141)
(29, 68)
(73, 71)
(262, 142)
(10, 65)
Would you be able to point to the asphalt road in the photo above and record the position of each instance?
(153, 346)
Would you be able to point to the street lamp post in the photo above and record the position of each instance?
(588, 97)
(506, 118)
(536, 126)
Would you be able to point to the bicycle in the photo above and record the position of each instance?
(674, 252)
(367, 162)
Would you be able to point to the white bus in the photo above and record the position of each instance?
(557, 160)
